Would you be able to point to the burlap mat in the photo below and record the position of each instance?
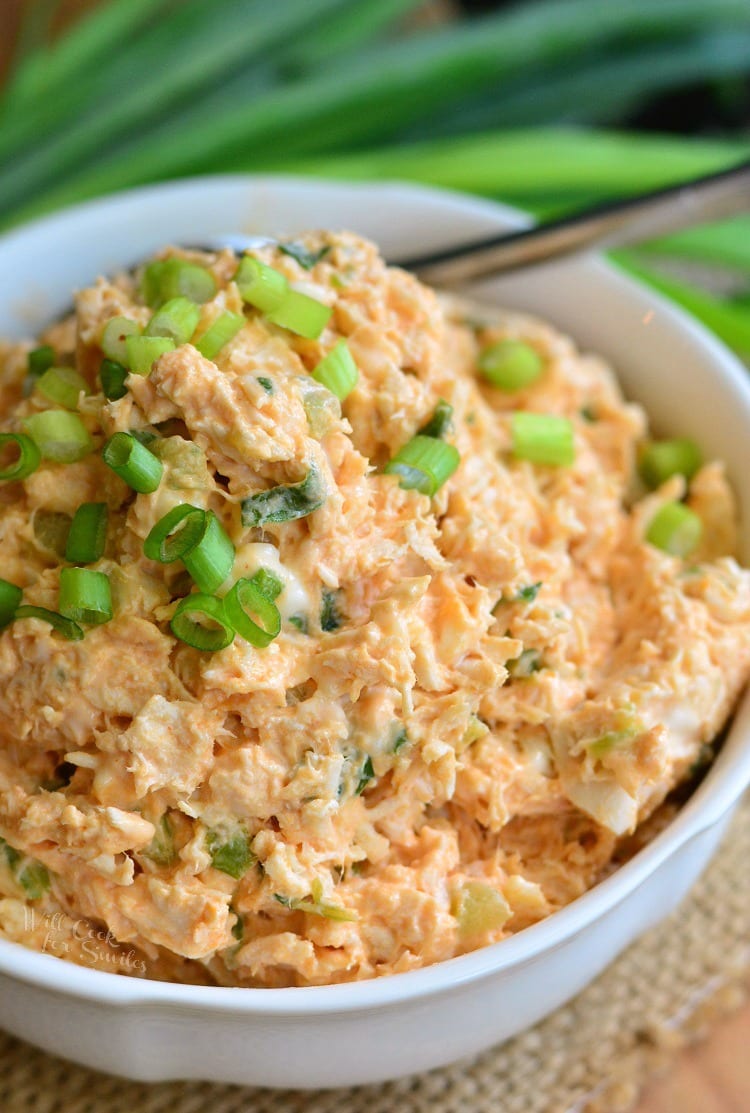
(592, 1056)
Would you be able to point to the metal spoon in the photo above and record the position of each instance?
(602, 226)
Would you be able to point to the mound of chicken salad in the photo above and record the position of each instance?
(342, 632)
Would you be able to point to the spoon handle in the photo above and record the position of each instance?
(611, 225)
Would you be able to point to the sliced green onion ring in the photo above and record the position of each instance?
(59, 435)
(260, 285)
(424, 464)
(269, 584)
(285, 504)
(440, 422)
(133, 462)
(29, 456)
(210, 560)
(115, 336)
(112, 376)
(10, 599)
(165, 279)
(62, 625)
(675, 529)
(175, 534)
(542, 438)
(660, 460)
(176, 320)
(253, 615)
(220, 332)
(51, 529)
(63, 385)
(88, 534)
(510, 364)
(143, 352)
(303, 255)
(85, 596)
(232, 855)
(40, 359)
(337, 371)
(201, 622)
(301, 314)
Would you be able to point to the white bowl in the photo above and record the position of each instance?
(371, 1031)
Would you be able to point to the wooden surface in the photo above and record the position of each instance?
(713, 1077)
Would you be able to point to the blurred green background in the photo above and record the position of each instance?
(547, 104)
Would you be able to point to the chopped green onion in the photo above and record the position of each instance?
(284, 504)
(260, 285)
(88, 534)
(302, 255)
(238, 927)
(115, 336)
(143, 352)
(51, 529)
(367, 774)
(527, 594)
(145, 436)
(330, 616)
(440, 422)
(40, 359)
(626, 727)
(299, 621)
(424, 464)
(253, 615)
(65, 626)
(31, 875)
(59, 435)
(34, 879)
(10, 599)
(224, 328)
(112, 376)
(675, 529)
(161, 849)
(542, 439)
(660, 460)
(266, 384)
(301, 314)
(176, 320)
(316, 906)
(85, 596)
(232, 856)
(165, 279)
(475, 729)
(210, 560)
(270, 585)
(28, 460)
(337, 371)
(176, 534)
(63, 385)
(510, 364)
(401, 740)
(201, 622)
(133, 462)
(323, 908)
(522, 667)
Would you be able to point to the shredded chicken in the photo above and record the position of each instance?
(474, 700)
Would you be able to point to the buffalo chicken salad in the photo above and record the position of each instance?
(342, 630)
